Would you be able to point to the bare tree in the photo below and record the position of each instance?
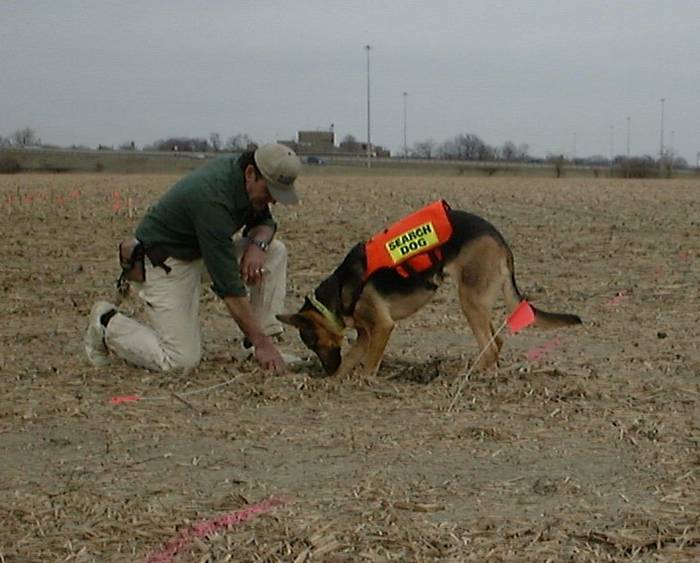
(512, 153)
(508, 151)
(181, 144)
(215, 141)
(349, 144)
(467, 147)
(523, 152)
(473, 148)
(448, 150)
(4, 142)
(25, 138)
(424, 149)
(239, 142)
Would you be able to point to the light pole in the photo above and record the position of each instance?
(573, 154)
(627, 160)
(405, 144)
(612, 143)
(661, 144)
(369, 141)
(672, 148)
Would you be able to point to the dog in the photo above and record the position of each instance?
(475, 254)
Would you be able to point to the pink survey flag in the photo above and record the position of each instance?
(523, 316)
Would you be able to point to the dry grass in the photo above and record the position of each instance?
(588, 453)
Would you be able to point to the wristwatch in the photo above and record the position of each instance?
(261, 244)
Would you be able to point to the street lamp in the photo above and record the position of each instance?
(672, 148)
(612, 143)
(628, 136)
(369, 141)
(661, 145)
(405, 144)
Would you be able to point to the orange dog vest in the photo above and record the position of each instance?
(411, 244)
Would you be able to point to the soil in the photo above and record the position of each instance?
(583, 445)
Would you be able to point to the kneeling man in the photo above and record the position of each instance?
(188, 230)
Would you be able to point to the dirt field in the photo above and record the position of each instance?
(582, 446)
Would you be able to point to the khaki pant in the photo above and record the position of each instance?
(174, 338)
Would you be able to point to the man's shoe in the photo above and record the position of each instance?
(95, 348)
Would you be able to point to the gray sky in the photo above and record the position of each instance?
(555, 74)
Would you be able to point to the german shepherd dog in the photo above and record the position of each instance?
(476, 255)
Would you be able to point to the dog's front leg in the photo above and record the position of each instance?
(378, 341)
(355, 354)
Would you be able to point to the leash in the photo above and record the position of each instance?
(133, 398)
(471, 369)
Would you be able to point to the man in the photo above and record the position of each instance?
(190, 229)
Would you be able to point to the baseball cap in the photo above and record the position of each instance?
(280, 166)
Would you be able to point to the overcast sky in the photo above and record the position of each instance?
(558, 75)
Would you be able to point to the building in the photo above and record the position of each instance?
(313, 142)
(323, 143)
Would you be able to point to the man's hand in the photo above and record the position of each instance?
(266, 352)
(252, 265)
(269, 358)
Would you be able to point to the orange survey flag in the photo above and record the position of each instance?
(523, 316)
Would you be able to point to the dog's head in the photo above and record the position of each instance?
(318, 335)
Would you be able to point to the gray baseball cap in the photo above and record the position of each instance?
(280, 166)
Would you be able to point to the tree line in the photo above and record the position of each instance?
(26, 137)
(471, 147)
(467, 146)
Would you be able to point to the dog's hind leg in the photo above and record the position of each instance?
(477, 309)
(480, 280)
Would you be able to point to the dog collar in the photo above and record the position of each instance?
(331, 317)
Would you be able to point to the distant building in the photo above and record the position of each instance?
(323, 143)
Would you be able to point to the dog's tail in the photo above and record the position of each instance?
(513, 297)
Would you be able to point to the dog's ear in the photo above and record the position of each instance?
(295, 320)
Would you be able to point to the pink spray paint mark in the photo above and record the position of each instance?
(207, 527)
(619, 298)
(124, 399)
(539, 352)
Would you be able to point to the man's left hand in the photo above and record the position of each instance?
(253, 265)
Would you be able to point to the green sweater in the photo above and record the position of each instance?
(197, 218)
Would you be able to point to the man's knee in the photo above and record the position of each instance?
(185, 360)
(277, 250)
